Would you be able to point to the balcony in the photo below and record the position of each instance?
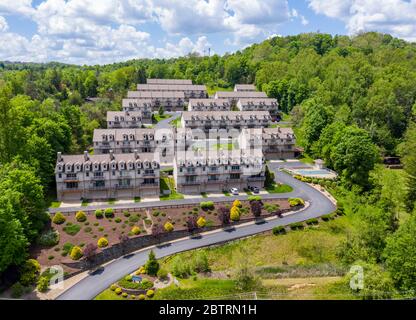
(191, 183)
(149, 174)
(124, 186)
(149, 185)
(97, 187)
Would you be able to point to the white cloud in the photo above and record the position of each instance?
(3, 24)
(397, 17)
(184, 47)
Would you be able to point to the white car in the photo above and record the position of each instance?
(234, 191)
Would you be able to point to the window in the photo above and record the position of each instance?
(72, 185)
(235, 176)
(60, 175)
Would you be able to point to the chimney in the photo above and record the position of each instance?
(111, 155)
(59, 156)
(136, 154)
(86, 156)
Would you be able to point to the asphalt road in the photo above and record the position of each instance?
(95, 283)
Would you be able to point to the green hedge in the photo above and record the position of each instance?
(207, 205)
(278, 230)
(296, 226)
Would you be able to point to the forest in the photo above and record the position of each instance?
(351, 101)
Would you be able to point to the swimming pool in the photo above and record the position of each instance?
(306, 172)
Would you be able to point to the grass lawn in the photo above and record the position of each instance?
(279, 188)
(168, 183)
(226, 193)
(55, 204)
(307, 159)
(211, 90)
(159, 117)
(176, 122)
(223, 146)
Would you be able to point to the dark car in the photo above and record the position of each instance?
(254, 189)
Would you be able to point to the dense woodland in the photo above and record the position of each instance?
(351, 99)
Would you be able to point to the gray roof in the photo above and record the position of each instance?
(156, 94)
(169, 81)
(240, 94)
(227, 115)
(171, 87)
(245, 87)
(100, 158)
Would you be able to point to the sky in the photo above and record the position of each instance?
(106, 31)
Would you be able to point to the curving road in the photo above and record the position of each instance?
(95, 283)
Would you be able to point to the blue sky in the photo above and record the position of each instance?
(105, 31)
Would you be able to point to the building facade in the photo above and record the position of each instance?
(197, 172)
(207, 120)
(142, 105)
(170, 100)
(264, 104)
(144, 140)
(124, 119)
(234, 96)
(106, 176)
(209, 105)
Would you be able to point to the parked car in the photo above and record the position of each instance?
(254, 189)
(234, 191)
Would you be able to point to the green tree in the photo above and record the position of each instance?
(152, 265)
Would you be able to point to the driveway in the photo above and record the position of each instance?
(165, 123)
(93, 284)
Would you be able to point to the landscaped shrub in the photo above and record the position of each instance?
(99, 213)
(235, 213)
(152, 265)
(150, 293)
(81, 216)
(126, 213)
(207, 205)
(102, 242)
(135, 230)
(43, 284)
(270, 208)
(117, 220)
(237, 203)
(168, 227)
(118, 291)
(162, 274)
(109, 212)
(128, 278)
(180, 268)
(17, 290)
(254, 198)
(201, 222)
(141, 297)
(156, 213)
(146, 284)
(133, 297)
(327, 217)
(29, 272)
(278, 230)
(200, 262)
(76, 253)
(58, 218)
(312, 221)
(296, 226)
(124, 295)
(113, 287)
(294, 202)
(72, 229)
(49, 238)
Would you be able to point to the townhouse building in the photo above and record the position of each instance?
(143, 105)
(105, 176)
(207, 120)
(209, 105)
(216, 171)
(244, 87)
(234, 96)
(255, 104)
(124, 119)
(170, 100)
(190, 91)
(144, 140)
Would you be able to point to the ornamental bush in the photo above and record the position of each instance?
(141, 297)
(118, 291)
(109, 212)
(29, 272)
(113, 287)
(294, 202)
(279, 230)
(168, 227)
(76, 253)
(150, 293)
(135, 230)
(43, 284)
(235, 213)
(128, 278)
(58, 218)
(124, 295)
(201, 222)
(237, 203)
(99, 213)
(49, 238)
(207, 205)
(102, 242)
(152, 265)
(81, 216)
(162, 274)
